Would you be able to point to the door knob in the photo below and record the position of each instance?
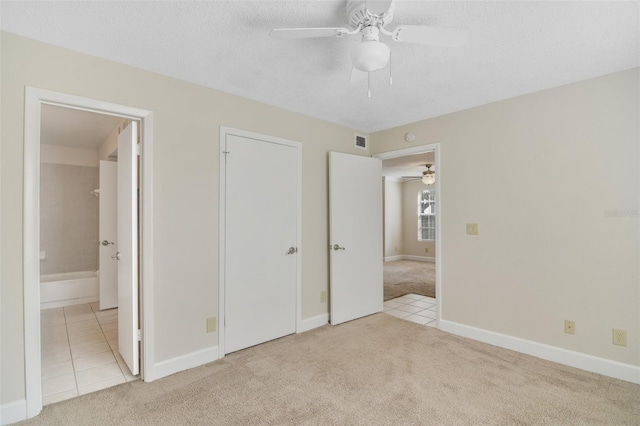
(292, 250)
(116, 256)
(336, 247)
(106, 243)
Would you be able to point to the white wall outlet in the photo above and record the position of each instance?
(619, 337)
(323, 296)
(212, 324)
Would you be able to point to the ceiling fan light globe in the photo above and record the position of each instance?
(370, 55)
(429, 178)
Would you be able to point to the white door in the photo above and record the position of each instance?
(128, 247)
(355, 205)
(260, 241)
(108, 201)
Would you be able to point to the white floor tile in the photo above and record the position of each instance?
(60, 336)
(57, 369)
(417, 319)
(397, 313)
(109, 326)
(53, 329)
(92, 361)
(413, 296)
(79, 317)
(107, 312)
(392, 303)
(429, 299)
(98, 374)
(57, 397)
(82, 325)
(95, 306)
(95, 348)
(85, 331)
(84, 308)
(48, 322)
(409, 308)
(54, 346)
(112, 334)
(427, 314)
(404, 300)
(87, 339)
(82, 390)
(108, 319)
(420, 304)
(58, 384)
(56, 357)
(433, 308)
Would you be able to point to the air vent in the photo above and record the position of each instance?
(361, 142)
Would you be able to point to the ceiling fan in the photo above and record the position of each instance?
(371, 54)
(428, 177)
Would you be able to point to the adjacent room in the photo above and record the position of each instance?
(320, 212)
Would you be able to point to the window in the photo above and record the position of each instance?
(427, 215)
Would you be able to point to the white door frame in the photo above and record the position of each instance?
(224, 131)
(435, 147)
(34, 99)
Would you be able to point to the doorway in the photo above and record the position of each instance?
(71, 309)
(412, 234)
(260, 238)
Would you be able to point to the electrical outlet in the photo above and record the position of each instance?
(569, 327)
(619, 337)
(323, 296)
(211, 324)
(472, 229)
(426, 249)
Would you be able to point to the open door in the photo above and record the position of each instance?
(108, 207)
(128, 247)
(355, 214)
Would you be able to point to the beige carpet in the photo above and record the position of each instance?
(378, 370)
(409, 276)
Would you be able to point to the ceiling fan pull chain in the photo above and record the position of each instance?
(369, 85)
(390, 77)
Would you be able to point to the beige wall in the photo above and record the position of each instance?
(555, 161)
(110, 144)
(187, 119)
(392, 217)
(411, 246)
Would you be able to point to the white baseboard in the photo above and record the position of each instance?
(606, 367)
(13, 412)
(392, 258)
(313, 322)
(419, 258)
(69, 302)
(183, 362)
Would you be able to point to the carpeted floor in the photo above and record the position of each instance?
(372, 371)
(409, 276)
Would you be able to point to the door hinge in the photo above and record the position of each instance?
(138, 148)
(139, 334)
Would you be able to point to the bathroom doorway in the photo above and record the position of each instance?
(78, 252)
(73, 345)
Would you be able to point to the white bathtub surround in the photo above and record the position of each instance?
(68, 218)
(71, 288)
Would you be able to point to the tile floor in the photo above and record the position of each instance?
(414, 308)
(80, 351)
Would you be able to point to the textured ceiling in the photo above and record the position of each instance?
(74, 128)
(515, 47)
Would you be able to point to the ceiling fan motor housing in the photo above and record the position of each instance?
(356, 11)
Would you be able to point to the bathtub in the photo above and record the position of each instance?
(71, 288)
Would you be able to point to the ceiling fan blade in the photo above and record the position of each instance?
(436, 36)
(291, 33)
(357, 75)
